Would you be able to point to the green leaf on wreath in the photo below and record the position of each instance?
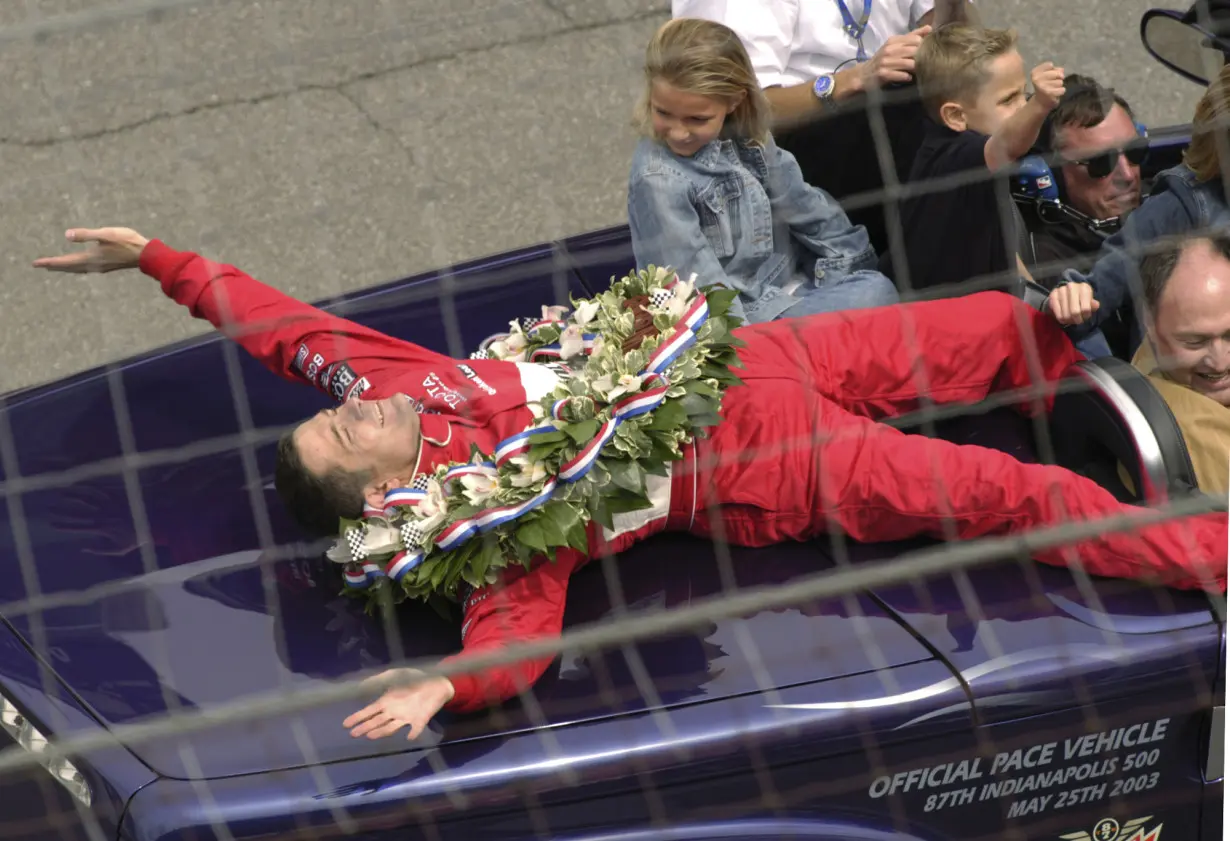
(578, 537)
(549, 437)
(627, 475)
(719, 299)
(601, 514)
(624, 504)
(531, 535)
(583, 432)
(564, 517)
(707, 419)
(668, 416)
(551, 532)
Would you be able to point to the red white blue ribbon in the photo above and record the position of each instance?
(629, 407)
(655, 387)
(459, 532)
(401, 563)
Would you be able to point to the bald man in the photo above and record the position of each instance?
(1187, 348)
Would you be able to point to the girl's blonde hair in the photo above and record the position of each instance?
(706, 58)
(1211, 130)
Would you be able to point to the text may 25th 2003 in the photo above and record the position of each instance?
(1059, 765)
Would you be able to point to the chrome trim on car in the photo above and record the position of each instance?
(1152, 465)
(1215, 759)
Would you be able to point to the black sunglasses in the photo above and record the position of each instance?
(1104, 163)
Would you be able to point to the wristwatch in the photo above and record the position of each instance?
(823, 88)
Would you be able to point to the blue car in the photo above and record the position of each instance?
(149, 570)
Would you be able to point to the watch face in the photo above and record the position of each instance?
(824, 85)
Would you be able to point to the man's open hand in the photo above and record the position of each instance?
(894, 61)
(411, 702)
(111, 249)
(1048, 85)
(1072, 303)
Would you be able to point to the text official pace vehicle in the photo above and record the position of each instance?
(1008, 701)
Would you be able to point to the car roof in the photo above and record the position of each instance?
(181, 616)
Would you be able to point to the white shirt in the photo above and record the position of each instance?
(794, 41)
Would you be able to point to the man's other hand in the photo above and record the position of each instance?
(1072, 303)
(1048, 85)
(112, 249)
(411, 703)
(894, 61)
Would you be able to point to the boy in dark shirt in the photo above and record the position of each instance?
(972, 82)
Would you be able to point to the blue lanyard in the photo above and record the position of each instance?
(855, 28)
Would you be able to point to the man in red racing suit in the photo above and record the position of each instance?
(799, 450)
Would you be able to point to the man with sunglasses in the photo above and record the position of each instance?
(1095, 149)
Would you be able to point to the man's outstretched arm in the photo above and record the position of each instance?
(525, 606)
(291, 338)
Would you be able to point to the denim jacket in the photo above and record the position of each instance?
(1177, 204)
(740, 214)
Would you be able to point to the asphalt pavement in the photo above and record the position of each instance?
(328, 145)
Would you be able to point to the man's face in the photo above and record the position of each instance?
(684, 121)
(1118, 192)
(1001, 95)
(379, 437)
(1191, 328)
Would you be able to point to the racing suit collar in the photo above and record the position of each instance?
(435, 434)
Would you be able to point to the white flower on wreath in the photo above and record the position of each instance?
(554, 313)
(586, 311)
(380, 540)
(432, 509)
(571, 342)
(339, 552)
(528, 474)
(681, 298)
(377, 540)
(511, 348)
(613, 388)
(478, 487)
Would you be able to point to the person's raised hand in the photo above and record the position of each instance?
(894, 61)
(111, 249)
(1048, 85)
(1072, 303)
(411, 703)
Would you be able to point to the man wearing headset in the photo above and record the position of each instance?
(1094, 147)
(1095, 150)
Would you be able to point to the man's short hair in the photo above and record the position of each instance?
(1084, 104)
(1159, 264)
(316, 502)
(952, 62)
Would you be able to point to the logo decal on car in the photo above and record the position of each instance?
(1109, 829)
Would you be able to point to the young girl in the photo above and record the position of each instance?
(710, 193)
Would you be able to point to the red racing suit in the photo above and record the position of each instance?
(799, 451)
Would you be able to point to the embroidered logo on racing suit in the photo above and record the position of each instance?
(300, 357)
(340, 378)
(437, 389)
(472, 375)
(313, 368)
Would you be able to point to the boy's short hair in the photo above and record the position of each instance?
(951, 62)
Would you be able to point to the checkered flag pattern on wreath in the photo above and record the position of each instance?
(354, 539)
(412, 534)
(420, 482)
(659, 297)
